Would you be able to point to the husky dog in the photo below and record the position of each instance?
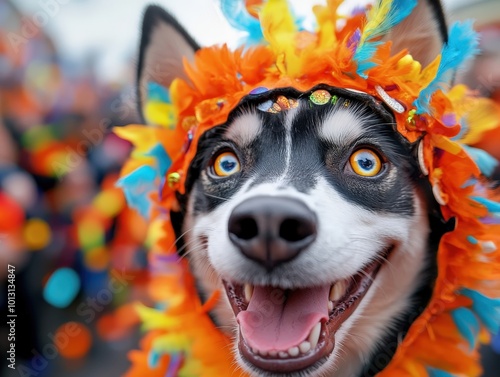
(315, 221)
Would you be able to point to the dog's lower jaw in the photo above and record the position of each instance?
(357, 336)
(360, 333)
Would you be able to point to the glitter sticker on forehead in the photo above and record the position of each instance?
(320, 97)
(282, 103)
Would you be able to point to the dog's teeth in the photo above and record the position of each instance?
(314, 335)
(305, 347)
(283, 354)
(248, 292)
(255, 351)
(294, 351)
(263, 353)
(330, 306)
(337, 290)
(273, 353)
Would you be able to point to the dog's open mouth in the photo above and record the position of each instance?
(288, 330)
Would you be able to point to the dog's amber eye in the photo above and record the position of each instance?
(226, 164)
(365, 162)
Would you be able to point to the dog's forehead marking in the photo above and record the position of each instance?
(244, 129)
(343, 126)
(289, 117)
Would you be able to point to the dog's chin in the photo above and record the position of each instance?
(292, 331)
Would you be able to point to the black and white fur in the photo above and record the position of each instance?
(303, 154)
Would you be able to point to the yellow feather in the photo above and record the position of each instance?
(376, 16)
(278, 27)
(160, 114)
(484, 116)
(142, 137)
(277, 24)
(154, 319)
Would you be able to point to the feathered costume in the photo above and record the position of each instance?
(344, 52)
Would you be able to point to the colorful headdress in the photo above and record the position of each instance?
(344, 52)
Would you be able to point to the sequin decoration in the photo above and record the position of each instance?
(265, 106)
(389, 101)
(173, 179)
(320, 97)
(189, 140)
(410, 120)
(259, 90)
(282, 103)
(221, 103)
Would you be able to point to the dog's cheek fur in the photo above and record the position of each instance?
(386, 302)
(196, 233)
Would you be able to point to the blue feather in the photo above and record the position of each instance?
(472, 240)
(438, 373)
(486, 162)
(399, 10)
(153, 358)
(163, 160)
(468, 325)
(493, 207)
(136, 187)
(158, 93)
(363, 56)
(462, 45)
(238, 17)
(487, 309)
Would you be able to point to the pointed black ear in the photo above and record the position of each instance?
(164, 44)
(423, 32)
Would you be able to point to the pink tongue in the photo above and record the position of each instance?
(273, 322)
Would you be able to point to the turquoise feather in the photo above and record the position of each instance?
(153, 359)
(468, 325)
(462, 45)
(238, 17)
(472, 240)
(163, 160)
(486, 162)
(136, 186)
(493, 207)
(158, 93)
(438, 373)
(487, 309)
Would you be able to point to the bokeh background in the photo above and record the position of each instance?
(66, 78)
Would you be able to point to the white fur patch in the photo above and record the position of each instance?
(342, 126)
(244, 129)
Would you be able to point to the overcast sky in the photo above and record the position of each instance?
(109, 29)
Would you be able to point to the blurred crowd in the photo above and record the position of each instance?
(77, 250)
(79, 254)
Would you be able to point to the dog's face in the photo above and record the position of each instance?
(312, 219)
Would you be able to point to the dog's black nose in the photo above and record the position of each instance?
(272, 230)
